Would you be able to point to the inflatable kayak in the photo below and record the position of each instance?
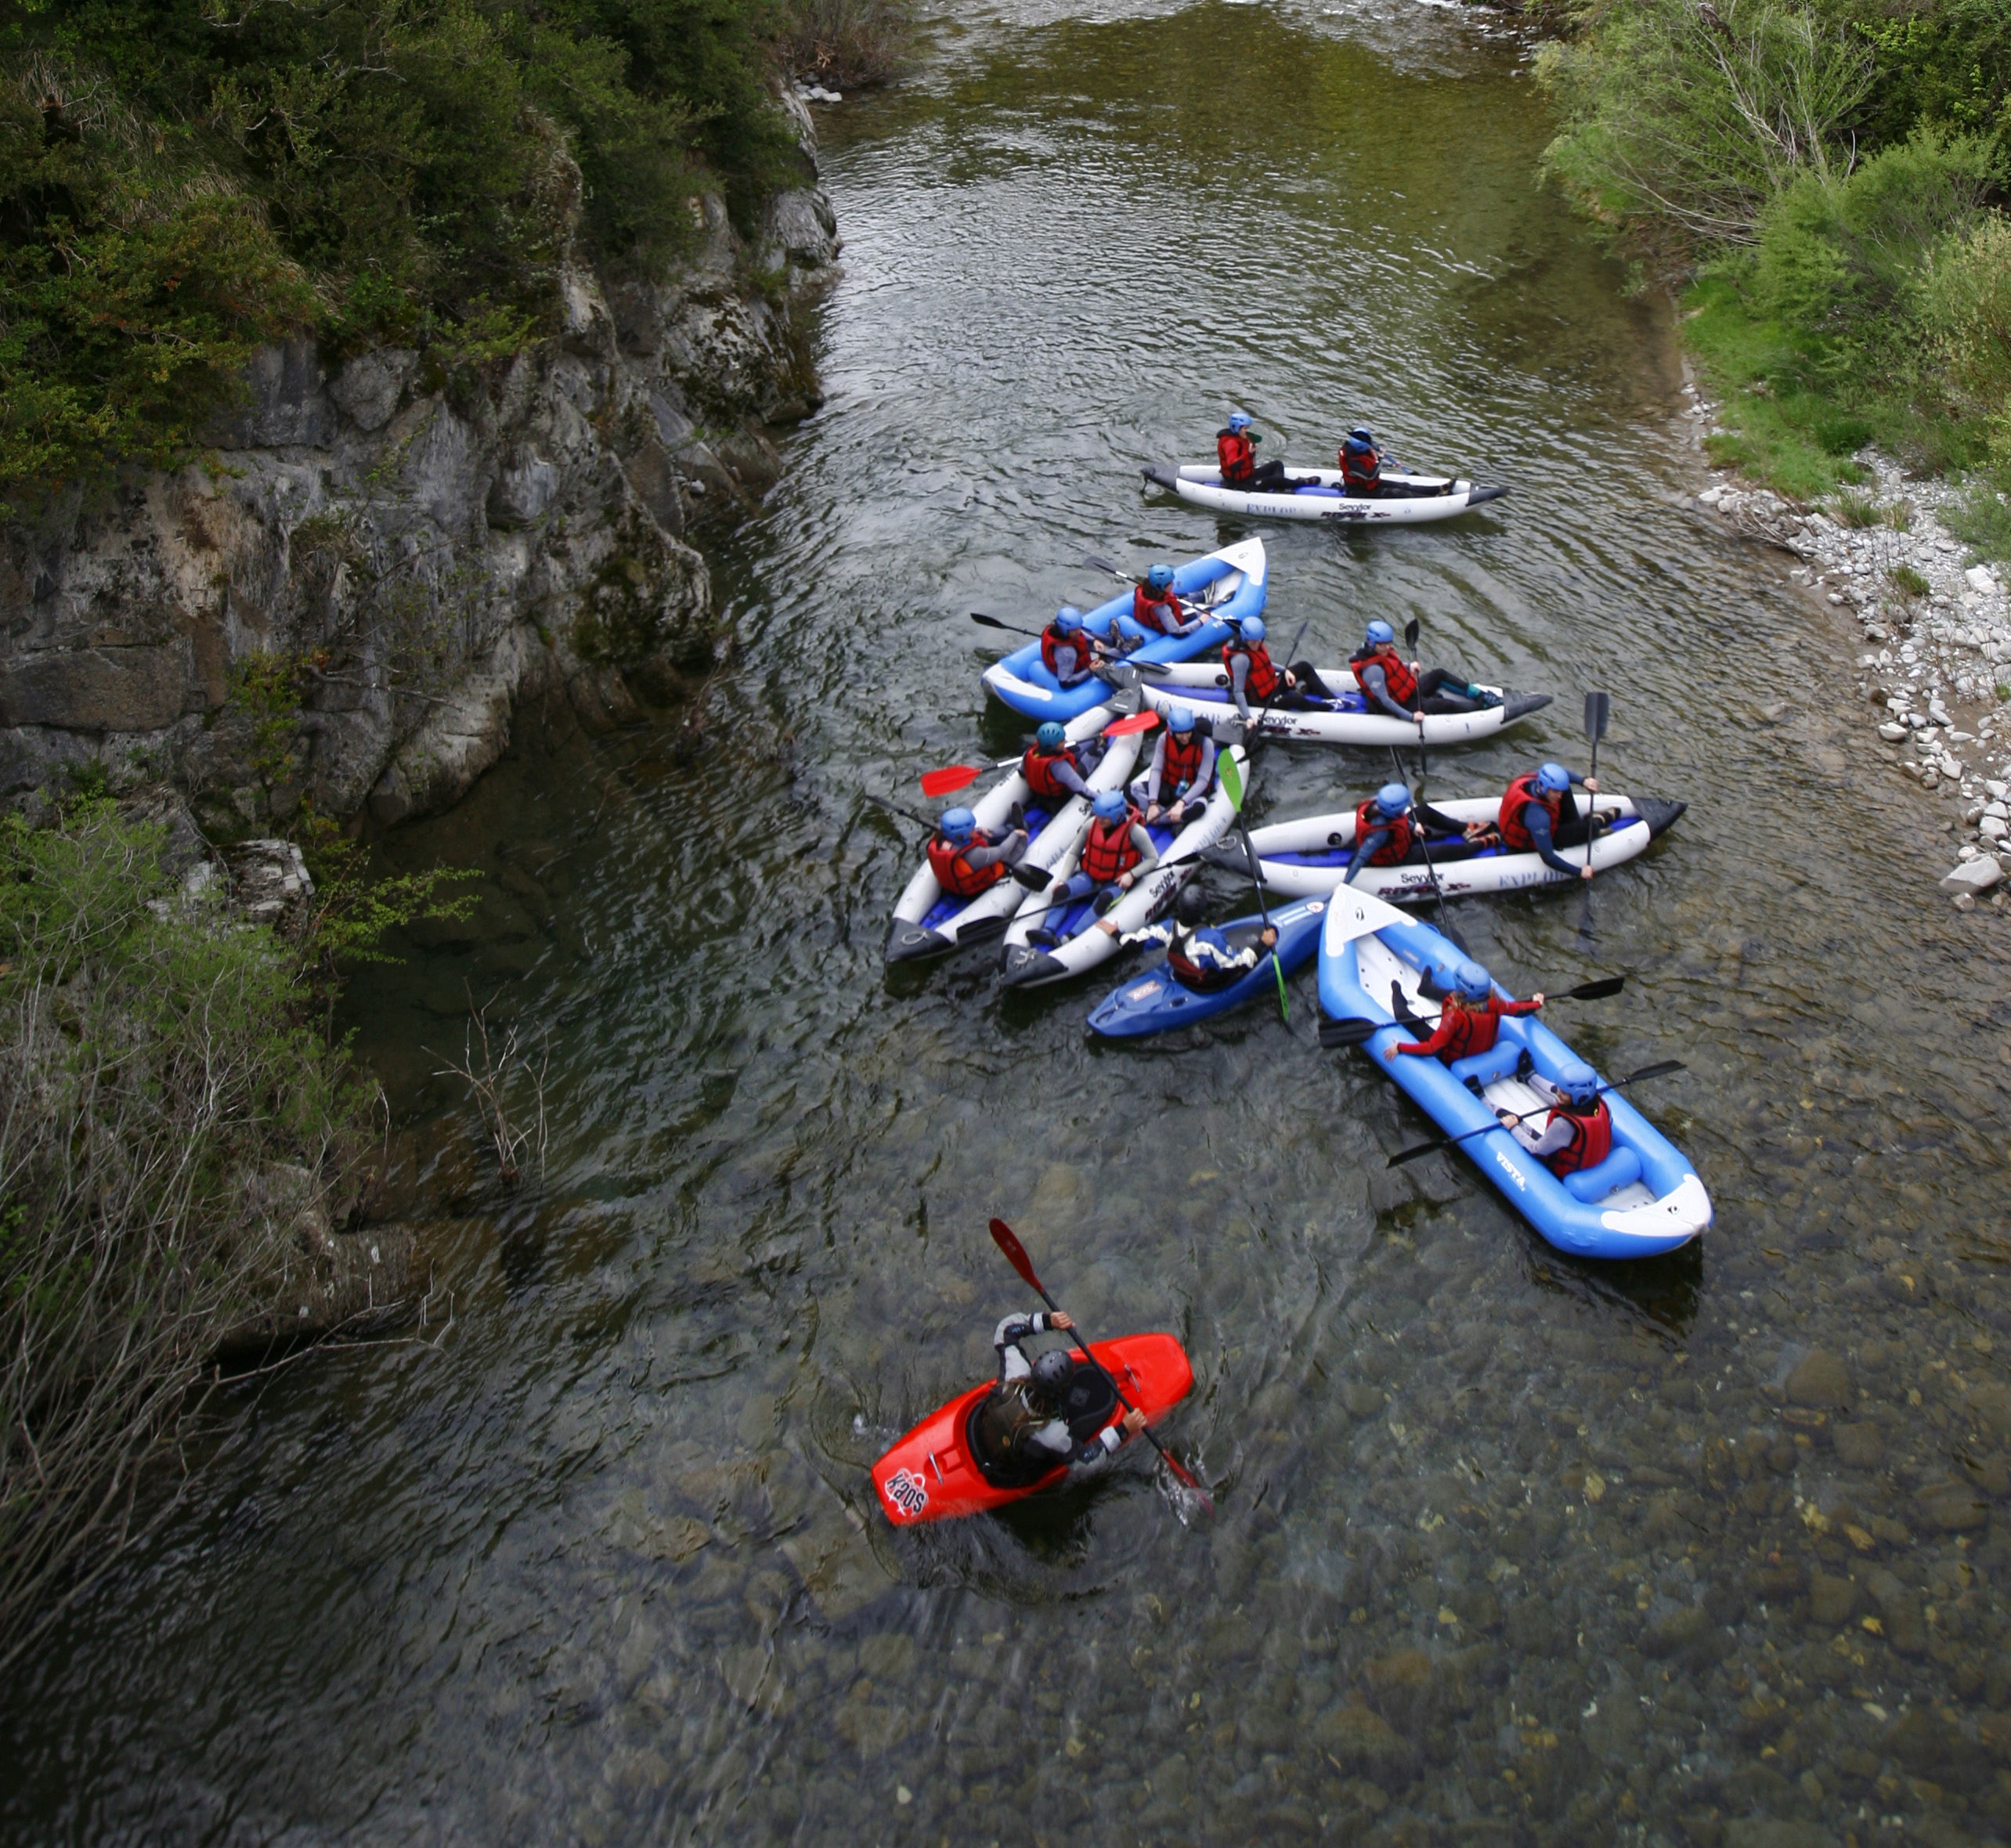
(1155, 1001)
(1346, 718)
(928, 922)
(1427, 496)
(934, 1474)
(1231, 581)
(1377, 964)
(1309, 857)
(1047, 944)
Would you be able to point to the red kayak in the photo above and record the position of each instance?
(931, 1474)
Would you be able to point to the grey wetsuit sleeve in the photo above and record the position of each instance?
(1375, 683)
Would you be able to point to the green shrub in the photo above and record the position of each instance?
(1858, 510)
(1909, 582)
(1982, 521)
(847, 44)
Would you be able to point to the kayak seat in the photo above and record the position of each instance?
(1487, 1067)
(1330, 493)
(999, 1475)
(1621, 1168)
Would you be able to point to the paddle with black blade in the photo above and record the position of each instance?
(978, 615)
(1232, 781)
(1598, 707)
(1446, 1142)
(1016, 1255)
(1355, 1033)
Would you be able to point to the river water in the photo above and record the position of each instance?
(1509, 1549)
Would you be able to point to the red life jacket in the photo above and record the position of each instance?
(1472, 1029)
(1038, 767)
(1591, 1140)
(1146, 608)
(1052, 639)
(1183, 762)
(1261, 682)
(1402, 831)
(1107, 853)
(1403, 683)
(956, 874)
(1521, 792)
(1361, 469)
(1236, 455)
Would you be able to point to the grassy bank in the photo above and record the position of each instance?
(1826, 182)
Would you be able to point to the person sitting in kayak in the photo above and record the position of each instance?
(1018, 1432)
(1235, 455)
(1182, 772)
(1538, 816)
(968, 860)
(1575, 1141)
(1404, 689)
(1117, 853)
(1055, 769)
(1198, 954)
(1156, 610)
(1389, 825)
(1068, 650)
(1469, 1027)
(1253, 674)
(1360, 463)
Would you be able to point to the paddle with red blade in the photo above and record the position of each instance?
(1016, 1255)
(953, 777)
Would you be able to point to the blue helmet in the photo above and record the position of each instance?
(1068, 619)
(1361, 433)
(1392, 799)
(1160, 578)
(958, 825)
(1238, 420)
(1254, 628)
(1554, 779)
(1380, 634)
(1051, 735)
(1109, 805)
(1179, 719)
(1578, 1082)
(1471, 982)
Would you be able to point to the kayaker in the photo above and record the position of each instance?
(1068, 648)
(1117, 853)
(1198, 954)
(1361, 464)
(1405, 688)
(1254, 675)
(1235, 455)
(1538, 816)
(1387, 826)
(1054, 768)
(1577, 1135)
(1181, 773)
(1156, 608)
(1468, 1030)
(1019, 1434)
(968, 860)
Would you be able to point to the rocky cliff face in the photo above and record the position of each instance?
(382, 562)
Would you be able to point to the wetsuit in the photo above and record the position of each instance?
(1054, 778)
(1546, 836)
(1423, 818)
(1429, 696)
(1236, 458)
(1578, 1147)
(1165, 786)
(968, 870)
(1019, 1439)
(1161, 615)
(1081, 884)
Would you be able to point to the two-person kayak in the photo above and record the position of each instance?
(1406, 499)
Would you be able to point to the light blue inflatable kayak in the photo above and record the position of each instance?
(1373, 966)
(1155, 1001)
(1233, 582)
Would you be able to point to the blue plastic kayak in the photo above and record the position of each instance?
(1377, 964)
(1155, 1002)
(1233, 582)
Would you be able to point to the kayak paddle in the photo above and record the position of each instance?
(894, 808)
(1232, 781)
(1010, 628)
(1125, 727)
(1016, 1255)
(1355, 1033)
(1598, 707)
(953, 777)
(1412, 629)
(1445, 925)
(1446, 1142)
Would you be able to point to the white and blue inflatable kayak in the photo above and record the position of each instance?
(1044, 944)
(1156, 1001)
(1230, 581)
(1309, 857)
(1428, 496)
(928, 922)
(1347, 717)
(1377, 964)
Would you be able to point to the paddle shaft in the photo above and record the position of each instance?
(1425, 845)
(894, 808)
(1425, 1149)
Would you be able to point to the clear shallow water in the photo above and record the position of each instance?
(1509, 1549)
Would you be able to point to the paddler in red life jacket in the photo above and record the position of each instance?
(1068, 648)
(1388, 825)
(1198, 954)
(1360, 464)
(1575, 1140)
(1156, 611)
(1255, 679)
(1117, 853)
(1054, 768)
(1538, 816)
(1020, 1432)
(968, 860)
(1182, 771)
(1236, 456)
(1403, 688)
(1469, 1027)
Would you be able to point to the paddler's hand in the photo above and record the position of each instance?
(1509, 1119)
(1134, 1423)
(1126, 881)
(1475, 829)
(1060, 1320)
(1592, 786)
(1585, 872)
(1153, 811)
(1268, 936)
(1537, 998)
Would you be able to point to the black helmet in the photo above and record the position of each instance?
(1051, 1375)
(1191, 906)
